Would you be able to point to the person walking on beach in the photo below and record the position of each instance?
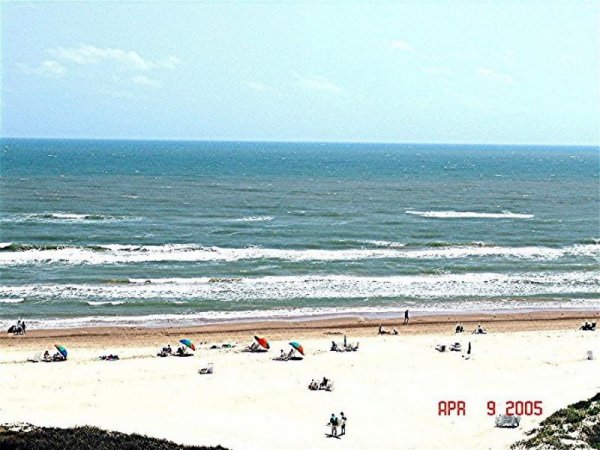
(333, 422)
(343, 423)
(406, 317)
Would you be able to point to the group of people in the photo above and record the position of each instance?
(587, 326)
(345, 347)
(168, 351)
(325, 385)
(18, 328)
(53, 358)
(283, 356)
(459, 328)
(335, 422)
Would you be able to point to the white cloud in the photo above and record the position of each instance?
(399, 44)
(48, 67)
(319, 84)
(490, 74)
(145, 81)
(88, 55)
(257, 86)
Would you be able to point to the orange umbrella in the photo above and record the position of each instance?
(262, 342)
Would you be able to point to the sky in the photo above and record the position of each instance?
(408, 71)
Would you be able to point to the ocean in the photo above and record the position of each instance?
(159, 232)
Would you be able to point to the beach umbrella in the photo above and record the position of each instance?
(188, 343)
(62, 350)
(297, 346)
(262, 342)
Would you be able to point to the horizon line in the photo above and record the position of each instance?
(285, 141)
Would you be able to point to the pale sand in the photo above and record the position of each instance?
(389, 389)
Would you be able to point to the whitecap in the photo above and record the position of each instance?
(469, 215)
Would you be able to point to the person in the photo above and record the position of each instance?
(343, 423)
(469, 349)
(313, 386)
(23, 326)
(395, 331)
(291, 353)
(406, 317)
(479, 330)
(324, 383)
(380, 330)
(334, 346)
(169, 349)
(333, 422)
(46, 356)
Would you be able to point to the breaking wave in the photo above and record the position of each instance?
(280, 288)
(469, 215)
(18, 254)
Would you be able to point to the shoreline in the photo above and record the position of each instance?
(356, 326)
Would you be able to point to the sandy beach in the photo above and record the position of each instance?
(389, 389)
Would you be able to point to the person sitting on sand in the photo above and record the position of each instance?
(181, 350)
(324, 383)
(58, 357)
(479, 330)
(313, 386)
(47, 356)
(459, 328)
(334, 346)
(291, 354)
(394, 331)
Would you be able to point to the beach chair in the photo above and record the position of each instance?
(503, 421)
(36, 358)
(206, 370)
(440, 348)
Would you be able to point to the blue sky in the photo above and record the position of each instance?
(453, 71)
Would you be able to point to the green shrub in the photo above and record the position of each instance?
(84, 438)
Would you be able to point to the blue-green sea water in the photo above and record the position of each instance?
(140, 232)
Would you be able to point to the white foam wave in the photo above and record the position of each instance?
(127, 254)
(64, 217)
(389, 244)
(115, 303)
(396, 310)
(12, 300)
(469, 215)
(277, 288)
(254, 219)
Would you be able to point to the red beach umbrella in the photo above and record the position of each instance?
(262, 342)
